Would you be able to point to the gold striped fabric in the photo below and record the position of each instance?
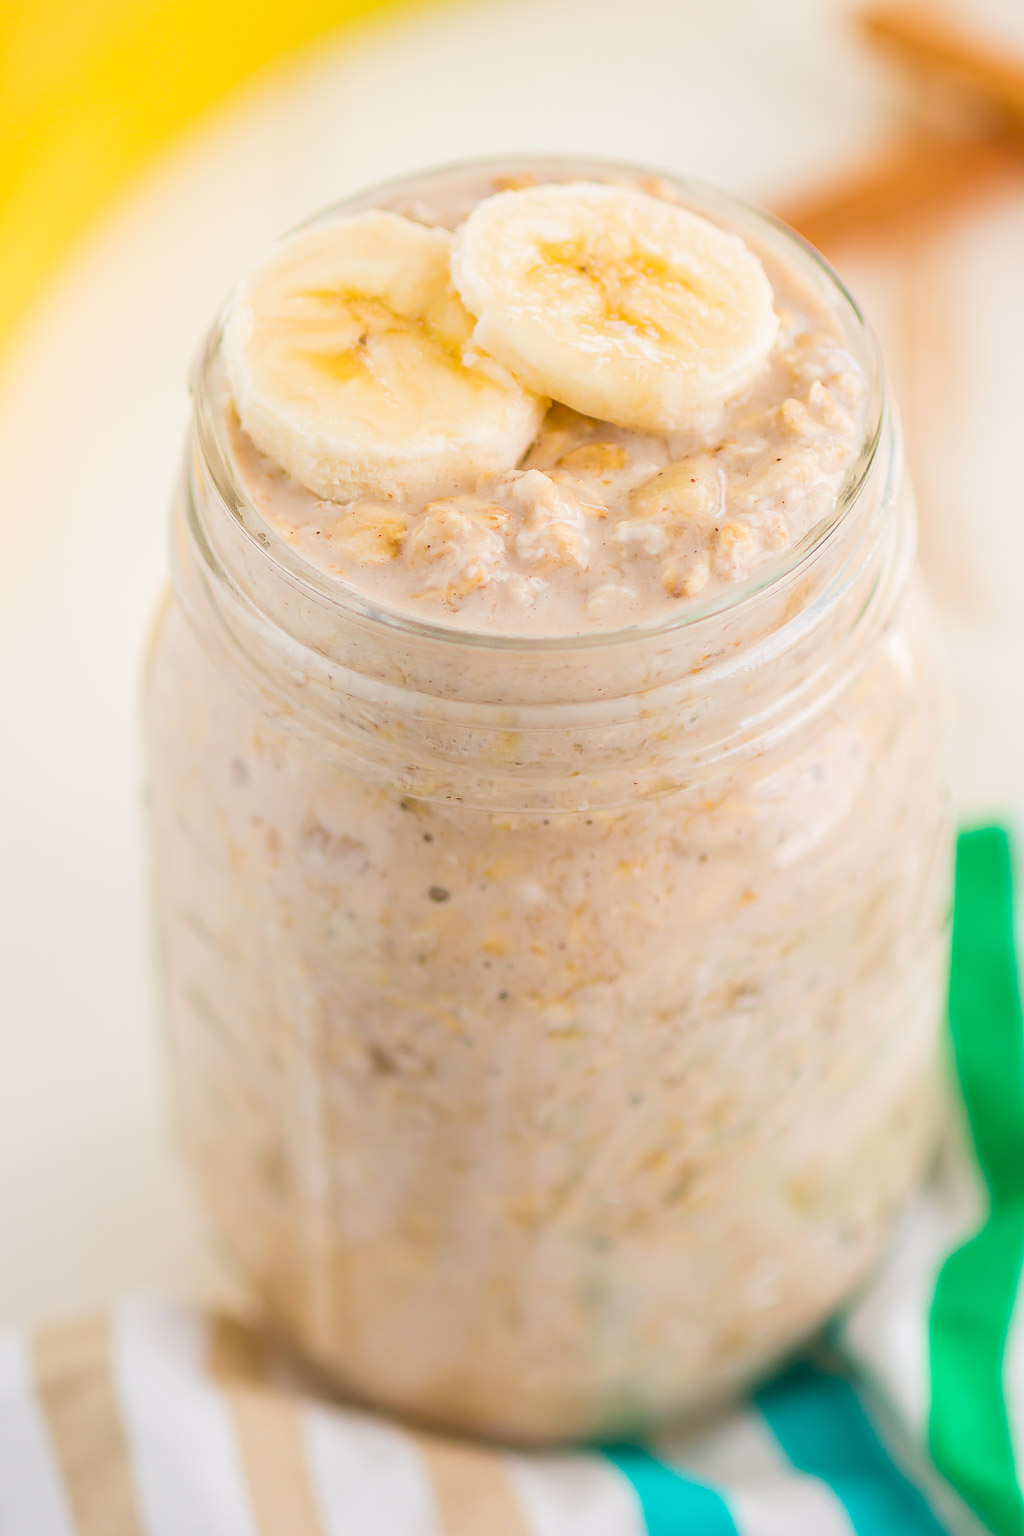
(268, 1429)
(75, 1389)
(472, 1490)
(271, 1445)
(164, 1421)
(123, 1469)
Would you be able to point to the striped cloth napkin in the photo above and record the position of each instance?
(163, 1420)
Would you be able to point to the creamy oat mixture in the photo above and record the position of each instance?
(597, 525)
(555, 1077)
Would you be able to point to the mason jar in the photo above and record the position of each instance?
(554, 1020)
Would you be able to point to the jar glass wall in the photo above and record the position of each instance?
(554, 1021)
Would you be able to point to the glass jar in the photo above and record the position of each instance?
(554, 1020)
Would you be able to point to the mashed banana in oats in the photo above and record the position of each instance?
(548, 802)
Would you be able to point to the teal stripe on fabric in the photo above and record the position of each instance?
(976, 1291)
(820, 1424)
(672, 1505)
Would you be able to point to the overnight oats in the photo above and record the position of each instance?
(548, 801)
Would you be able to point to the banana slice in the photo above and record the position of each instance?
(344, 351)
(615, 303)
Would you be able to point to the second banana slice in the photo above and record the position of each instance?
(616, 303)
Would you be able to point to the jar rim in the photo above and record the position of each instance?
(351, 603)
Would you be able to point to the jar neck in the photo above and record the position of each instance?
(567, 724)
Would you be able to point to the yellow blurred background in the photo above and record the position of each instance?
(151, 147)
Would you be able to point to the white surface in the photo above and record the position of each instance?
(762, 98)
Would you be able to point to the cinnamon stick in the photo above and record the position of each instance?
(926, 177)
(927, 40)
